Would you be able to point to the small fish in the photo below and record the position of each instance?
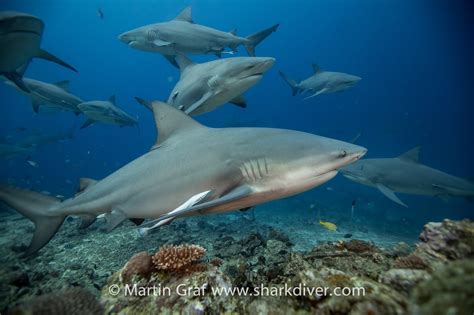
(32, 163)
(328, 225)
(311, 206)
(100, 13)
(329, 188)
(45, 192)
(348, 235)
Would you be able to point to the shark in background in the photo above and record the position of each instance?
(106, 112)
(53, 95)
(321, 82)
(20, 40)
(204, 87)
(182, 36)
(220, 170)
(405, 174)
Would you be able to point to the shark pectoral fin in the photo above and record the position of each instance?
(114, 218)
(390, 194)
(160, 43)
(18, 80)
(201, 101)
(239, 101)
(172, 60)
(87, 123)
(43, 54)
(317, 93)
(86, 220)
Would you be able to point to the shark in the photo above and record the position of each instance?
(8, 151)
(204, 87)
(105, 112)
(54, 95)
(321, 82)
(37, 138)
(182, 36)
(405, 174)
(20, 40)
(192, 170)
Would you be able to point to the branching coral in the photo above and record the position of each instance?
(179, 259)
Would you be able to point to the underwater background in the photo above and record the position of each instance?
(416, 63)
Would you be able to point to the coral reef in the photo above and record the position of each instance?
(72, 301)
(141, 265)
(410, 262)
(179, 259)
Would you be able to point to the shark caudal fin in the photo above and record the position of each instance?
(292, 83)
(34, 206)
(256, 38)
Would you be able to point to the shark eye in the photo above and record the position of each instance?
(342, 154)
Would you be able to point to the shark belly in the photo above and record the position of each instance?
(17, 50)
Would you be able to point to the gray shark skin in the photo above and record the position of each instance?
(322, 82)
(182, 36)
(106, 112)
(404, 174)
(8, 151)
(206, 86)
(239, 167)
(39, 139)
(54, 95)
(20, 40)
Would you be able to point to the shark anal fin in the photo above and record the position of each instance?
(390, 194)
(137, 221)
(114, 218)
(35, 103)
(86, 220)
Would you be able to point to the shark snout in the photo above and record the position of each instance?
(126, 37)
(264, 64)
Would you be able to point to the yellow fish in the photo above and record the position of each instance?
(328, 225)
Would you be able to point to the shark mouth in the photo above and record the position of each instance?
(21, 32)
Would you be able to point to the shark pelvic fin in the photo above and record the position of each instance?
(114, 218)
(390, 194)
(239, 101)
(86, 220)
(43, 54)
(35, 103)
(412, 155)
(34, 206)
(171, 121)
(185, 15)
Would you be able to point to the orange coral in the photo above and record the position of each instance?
(179, 259)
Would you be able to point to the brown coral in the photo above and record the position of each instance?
(179, 259)
(140, 264)
(358, 246)
(410, 262)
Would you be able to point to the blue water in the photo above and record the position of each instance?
(415, 58)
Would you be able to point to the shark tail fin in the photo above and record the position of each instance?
(43, 54)
(34, 206)
(291, 82)
(256, 38)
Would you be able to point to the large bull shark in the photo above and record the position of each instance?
(105, 112)
(54, 95)
(405, 174)
(20, 40)
(322, 82)
(182, 36)
(192, 170)
(206, 86)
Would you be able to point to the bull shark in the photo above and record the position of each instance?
(192, 170)
(20, 39)
(405, 174)
(105, 112)
(37, 138)
(204, 87)
(322, 82)
(54, 95)
(182, 36)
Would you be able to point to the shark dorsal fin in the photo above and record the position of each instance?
(85, 182)
(185, 15)
(112, 99)
(171, 121)
(412, 155)
(316, 68)
(233, 31)
(183, 62)
(63, 85)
